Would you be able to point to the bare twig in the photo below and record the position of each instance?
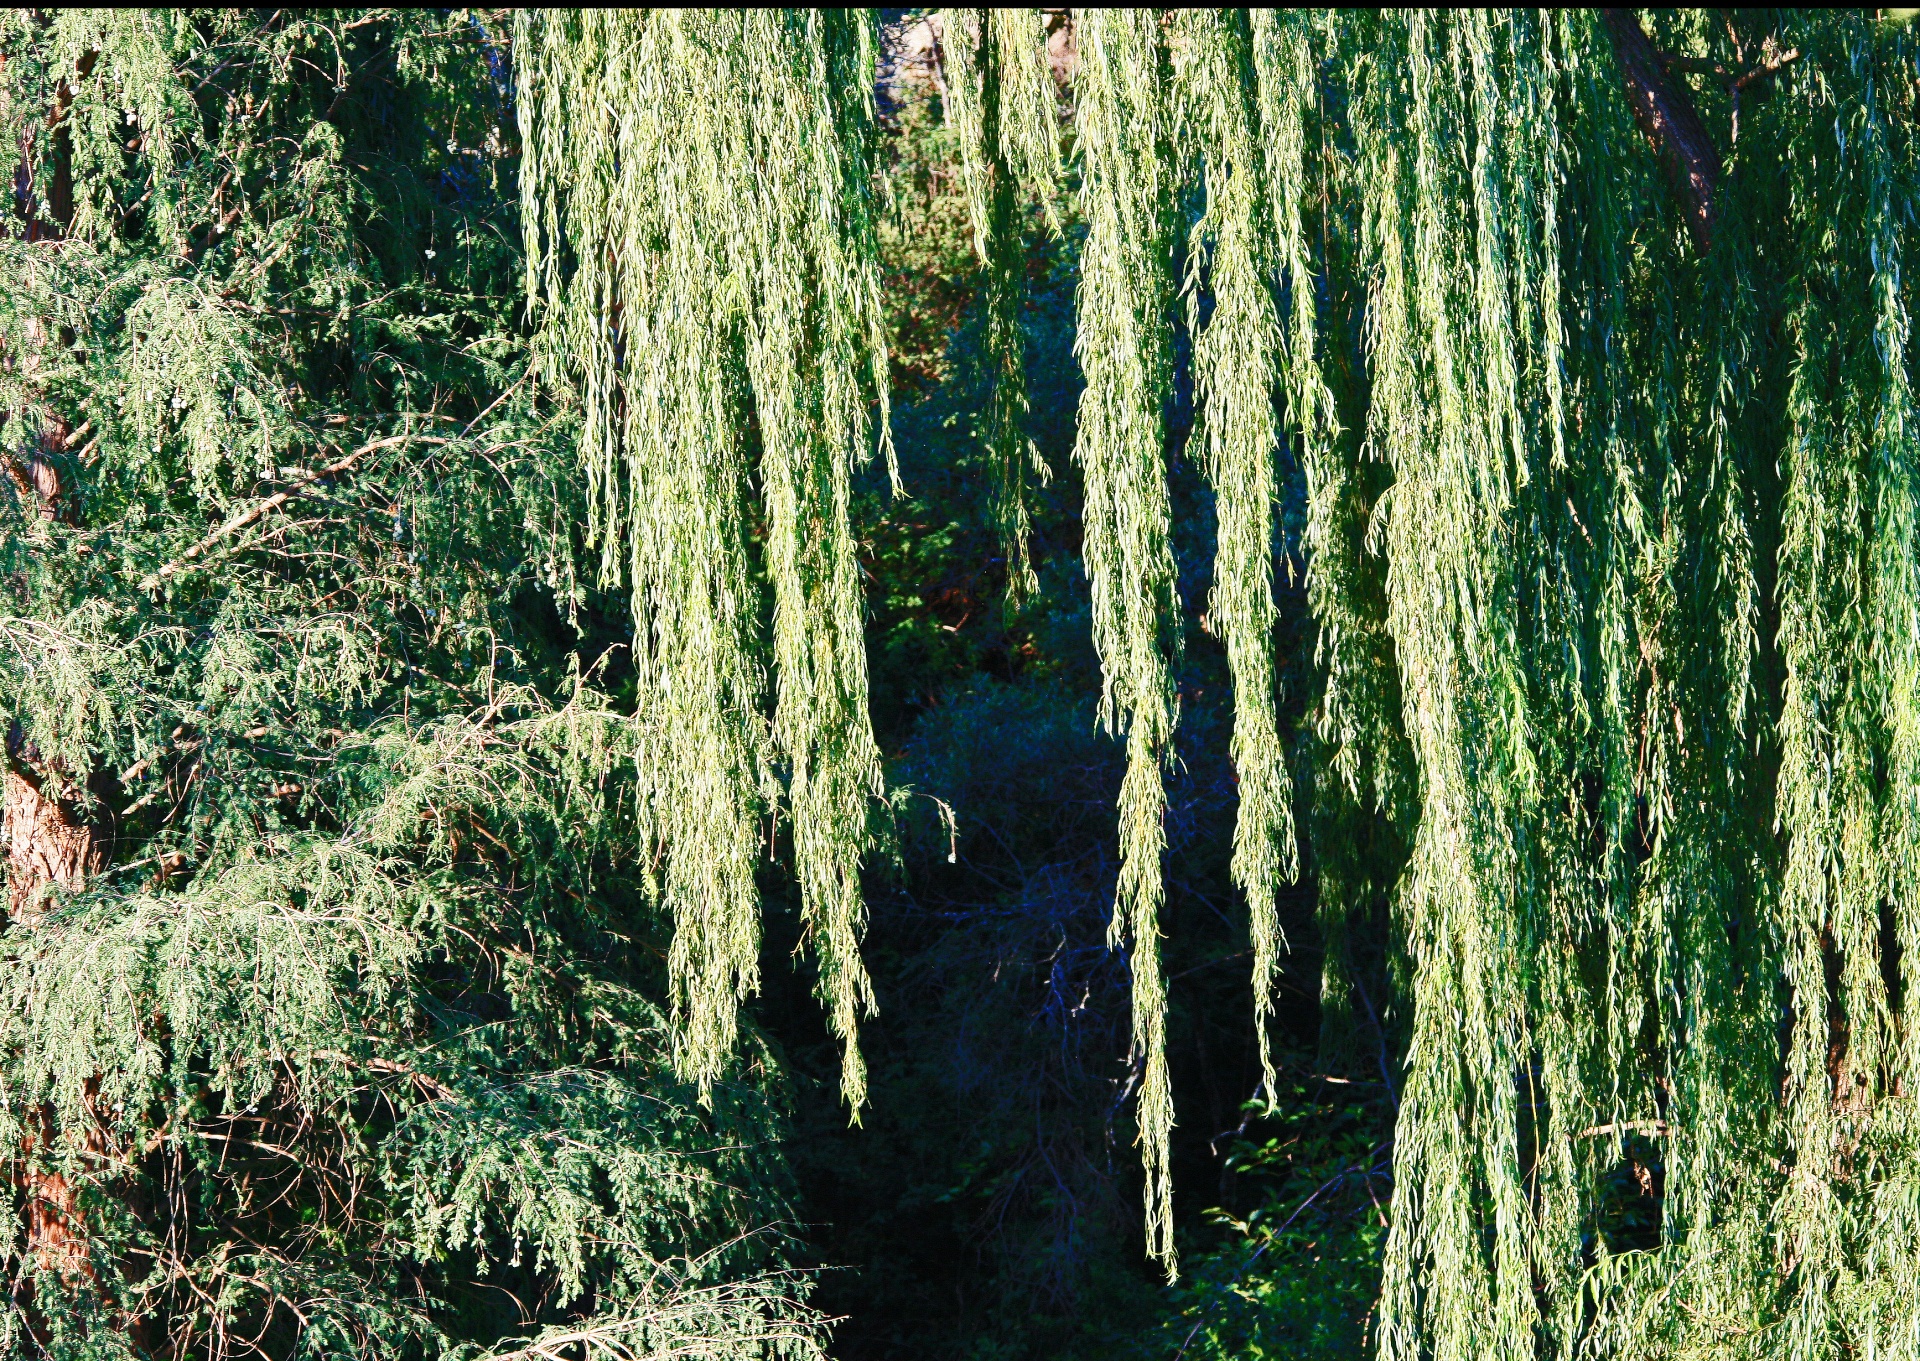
(1771, 61)
(1651, 1129)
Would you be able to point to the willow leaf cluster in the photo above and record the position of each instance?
(1165, 109)
(1609, 541)
(1236, 365)
(1642, 500)
(1125, 347)
(1004, 108)
(696, 191)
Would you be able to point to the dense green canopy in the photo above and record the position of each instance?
(1648, 588)
(340, 1039)
(345, 358)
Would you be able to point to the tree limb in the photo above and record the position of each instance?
(1664, 110)
(274, 502)
(1771, 61)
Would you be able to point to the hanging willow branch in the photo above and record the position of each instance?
(1446, 415)
(1236, 363)
(1002, 106)
(700, 240)
(1616, 582)
(1125, 350)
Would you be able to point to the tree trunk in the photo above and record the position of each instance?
(51, 843)
(1667, 118)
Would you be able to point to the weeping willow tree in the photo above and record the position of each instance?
(1587, 338)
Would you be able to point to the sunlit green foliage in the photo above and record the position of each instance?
(354, 1047)
(1616, 582)
(1005, 111)
(697, 192)
(326, 436)
(1236, 359)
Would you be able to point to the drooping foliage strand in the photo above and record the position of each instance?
(696, 189)
(1125, 347)
(1849, 599)
(1003, 106)
(1461, 315)
(1236, 363)
(1358, 760)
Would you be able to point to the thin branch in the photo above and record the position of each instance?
(1696, 66)
(1651, 1129)
(278, 499)
(1770, 62)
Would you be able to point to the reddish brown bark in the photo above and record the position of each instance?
(51, 843)
(1664, 110)
(56, 1228)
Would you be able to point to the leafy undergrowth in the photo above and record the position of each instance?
(1297, 1277)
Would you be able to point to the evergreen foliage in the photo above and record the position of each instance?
(1299, 1275)
(348, 1045)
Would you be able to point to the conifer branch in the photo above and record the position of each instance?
(272, 503)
